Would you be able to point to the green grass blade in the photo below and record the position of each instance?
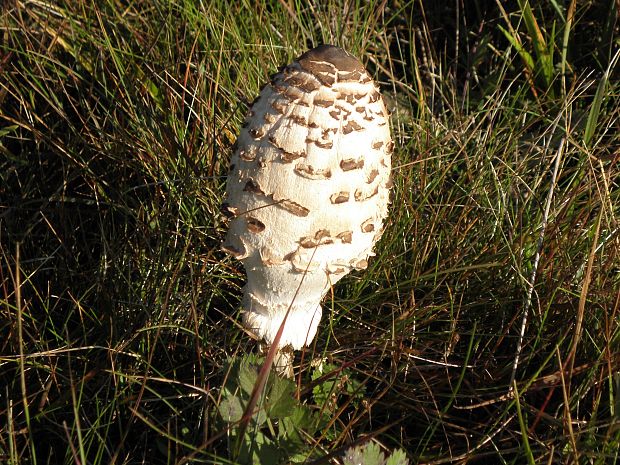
(524, 54)
(523, 427)
(595, 109)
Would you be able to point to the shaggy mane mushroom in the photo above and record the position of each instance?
(307, 192)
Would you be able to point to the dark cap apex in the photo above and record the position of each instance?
(314, 60)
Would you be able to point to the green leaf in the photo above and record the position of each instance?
(155, 92)
(355, 388)
(298, 457)
(257, 449)
(368, 454)
(281, 400)
(288, 432)
(230, 409)
(302, 418)
(269, 454)
(259, 417)
(322, 392)
(247, 377)
(398, 457)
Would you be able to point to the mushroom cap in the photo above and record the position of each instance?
(308, 189)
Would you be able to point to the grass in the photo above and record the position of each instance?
(486, 329)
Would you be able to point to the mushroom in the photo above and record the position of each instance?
(307, 192)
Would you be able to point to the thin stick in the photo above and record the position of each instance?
(539, 246)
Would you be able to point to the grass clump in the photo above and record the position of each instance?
(485, 329)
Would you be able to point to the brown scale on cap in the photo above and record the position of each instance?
(345, 236)
(351, 126)
(310, 172)
(252, 186)
(322, 102)
(351, 164)
(368, 225)
(278, 106)
(339, 197)
(247, 154)
(294, 208)
(254, 225)
(362, 195)
(324, 144)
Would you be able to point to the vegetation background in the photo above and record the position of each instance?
(486, 329)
